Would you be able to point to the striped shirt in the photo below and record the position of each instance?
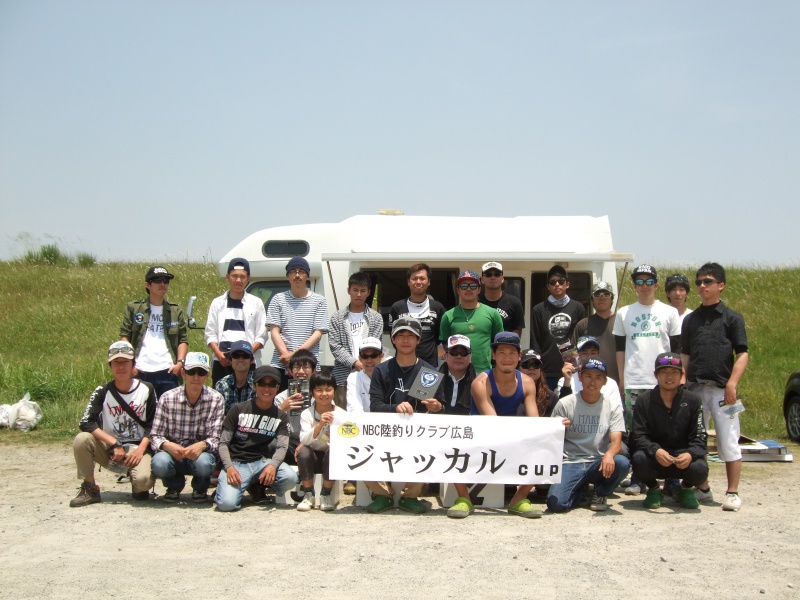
(178, 421)
(230, 320)
(297, 319)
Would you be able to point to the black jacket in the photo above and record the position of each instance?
(678, 430)
(464, 397)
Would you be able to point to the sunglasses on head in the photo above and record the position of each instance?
(669, 361)
(641, 282)
(531, 364)
(370, 356)
(196, 371)
(705, 281)
(469, 286)
(557, 281)
(240, 355)
(460, 353)
(160, 280)
(271, 383)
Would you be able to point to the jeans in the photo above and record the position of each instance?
(163, 381)
(574, 477)
(229, 497)
(173, 472)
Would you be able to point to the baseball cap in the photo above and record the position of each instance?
(557, 270)
(491, 265)
(196, 360)
(465, 275)
(530, 354)
(506, 338)
(594, 364)
(407, 324)
(266, 371)
(158, 271)
(458, 340)
(241, 346)
(239, 263)
(370, 342)
(298, 262)
(602, 286)
(587, 340)
(120, 350)
(668, 360)
(644, 270)
(676, 280)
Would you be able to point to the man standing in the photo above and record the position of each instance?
(471, 318)
(186, 430)
(714, 353)
(348, 328)
(422, 307)
(678, 288)
(388, 392)
(156, 328)
(669, 435)
(509, 306)
(297, 318)
(246, 449)
(592, 443)
(238, 387)
(553, 322)
(500, 392)
(116, 427)
(236, 315)
(600, 326)
(459, 375)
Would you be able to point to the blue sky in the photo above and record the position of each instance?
(171, 130)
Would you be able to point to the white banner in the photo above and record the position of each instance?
(446, 448)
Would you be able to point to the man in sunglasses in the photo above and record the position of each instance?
(473, 319)
(677, 289)
(642, 331)
(185, 432)
(156, 328)
(714, 353)
(508, 305)
(600, 325)
(553, 322)
(459, 375)
(238, 387)
(669, 435)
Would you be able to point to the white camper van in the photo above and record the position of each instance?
(384, 246)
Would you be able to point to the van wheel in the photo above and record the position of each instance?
(793, 418)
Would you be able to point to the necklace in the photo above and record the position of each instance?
(471, 313)
(407, 369)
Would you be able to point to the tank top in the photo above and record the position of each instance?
(504, 406)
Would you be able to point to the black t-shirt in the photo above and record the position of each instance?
(710, 336)
(510, 309)
(552, 326)
(248, 430)
(426, 350)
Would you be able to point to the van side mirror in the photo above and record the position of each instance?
(191, 323)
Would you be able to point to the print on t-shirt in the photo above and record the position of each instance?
(559, 325)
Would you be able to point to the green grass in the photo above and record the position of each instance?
(57, 321)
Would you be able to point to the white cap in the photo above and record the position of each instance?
(197, 360)
(370, 342)
(491, 265)
(458, 340)
(120, 349)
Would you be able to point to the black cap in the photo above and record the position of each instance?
(557, 270)
(669, 360)
(677, 280)
(506, 338)
(239, 262)
(158, 271)
(266, 371)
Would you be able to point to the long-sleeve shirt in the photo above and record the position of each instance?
(232, 320)
(308, 421)
(178, 421)
(248, 431)
(677, 430)
(339, 340)
(390, 385)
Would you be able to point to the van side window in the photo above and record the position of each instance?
(266, 290)
(284, 248)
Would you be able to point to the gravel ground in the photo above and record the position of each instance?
(120, 549)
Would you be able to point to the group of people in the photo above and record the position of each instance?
(634, 389)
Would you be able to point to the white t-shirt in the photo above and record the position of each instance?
(647, 330)
(154, 354)
(419, 310)
(357, 330)
(358, 392)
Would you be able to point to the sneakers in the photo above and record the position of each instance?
(145, 495)
(380, 504)
(702, 496)
(325, 502)
(672, 487)
(634, 489)
(307, 503)
(87, 494)
(199, 497)
(172, 496)
(349, 488)
(625, 482)
(686, 498)
(732, 501)
(258, 493)
(412, 505)
(654, 498)
(525, 509)
(598, 503)
(461, 509)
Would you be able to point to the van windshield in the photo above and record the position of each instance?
(266, 290)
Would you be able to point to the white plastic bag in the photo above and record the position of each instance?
(5, 412)
(25, 414)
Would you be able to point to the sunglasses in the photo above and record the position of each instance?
(269, 384)
(196, 371)
(669, 362)
(469, 286)
(160, 280)
(531, 364)
(641, 282)
(559, 281)
(706, 281)
(372, 356)
(602, 294)
(493, 273)
(240, 355)
(460, 353)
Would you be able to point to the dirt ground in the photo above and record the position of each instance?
(118, 549)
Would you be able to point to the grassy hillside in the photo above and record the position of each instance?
(55, 322)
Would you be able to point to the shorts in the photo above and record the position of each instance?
(727, 427)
